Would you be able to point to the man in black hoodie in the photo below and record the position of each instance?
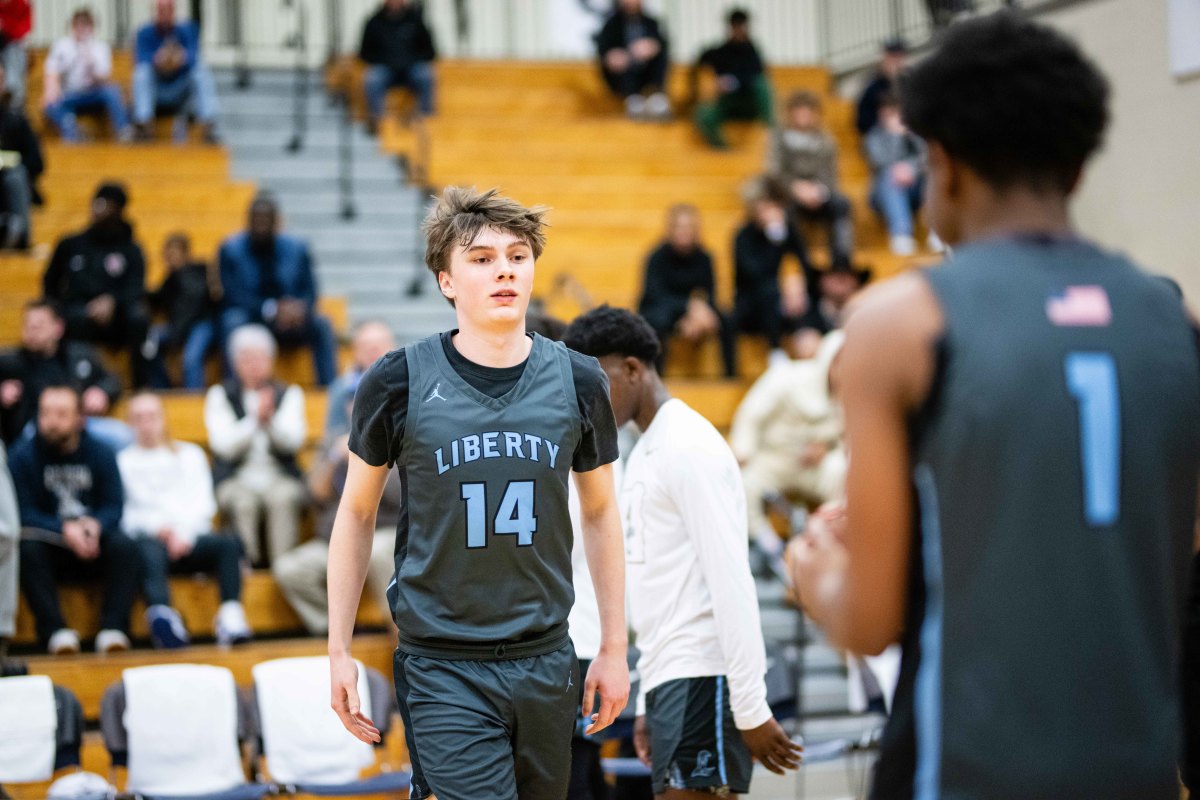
(743, 91)
(398, 50)
(44, 359)
(633, 59)
(69, 492)
(99, 277)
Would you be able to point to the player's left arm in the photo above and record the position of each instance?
(851, 568)
(604, 544)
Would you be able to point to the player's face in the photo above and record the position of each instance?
(622, 386)
(490, 280)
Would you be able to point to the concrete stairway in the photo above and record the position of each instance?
(372, 258)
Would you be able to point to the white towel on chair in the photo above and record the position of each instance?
(182, 724)
(28, 729)
(303, 739)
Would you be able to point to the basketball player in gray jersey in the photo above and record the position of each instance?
(484, 424)
(1024, 435)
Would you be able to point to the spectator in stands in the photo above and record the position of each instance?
(301, 573)
(10, 537)
(16, 20)
(69, 491)
(169, 509)
(767, 303)
(78, 77)
(895, 54)
(838, 286)
(99, 277)
(186, 300)
(679, 291)
(372, 340)
(45, 359)
(169, 75)
(802, 157)
(743, 90)
(267, 277)
(787, 436)
(20, 168)
(633, 60)
(256, 425)
(897, 158)
(398, 49)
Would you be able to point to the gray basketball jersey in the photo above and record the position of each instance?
(1055, 469)
(483, 560)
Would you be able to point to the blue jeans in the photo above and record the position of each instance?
(199, 341)
(316, 335)
(420, 80)
(107, 96)
(193, 92)
(897, 204)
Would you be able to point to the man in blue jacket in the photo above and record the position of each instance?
(168, 72)
(69, 492)
(267, 278)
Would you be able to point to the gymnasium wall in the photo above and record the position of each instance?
(1142, 194)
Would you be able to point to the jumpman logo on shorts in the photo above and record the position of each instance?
(435, 393)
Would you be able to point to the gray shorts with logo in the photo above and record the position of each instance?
(694, 743)
(496, 729)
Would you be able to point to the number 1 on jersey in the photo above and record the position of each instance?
(1092, 381)
(514, 517)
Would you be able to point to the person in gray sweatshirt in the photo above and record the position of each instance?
(897, 157)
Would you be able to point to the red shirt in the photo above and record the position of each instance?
(16, 18)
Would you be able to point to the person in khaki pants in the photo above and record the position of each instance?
(255, 427)
(301, 573)
(787, 436)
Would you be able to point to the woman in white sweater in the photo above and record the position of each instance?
(169, 508)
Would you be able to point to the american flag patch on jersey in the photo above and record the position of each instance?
(1079, 307)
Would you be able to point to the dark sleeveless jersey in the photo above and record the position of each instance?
(1055, 470)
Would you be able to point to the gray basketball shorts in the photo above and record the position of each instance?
(694, 743)
(489, 729)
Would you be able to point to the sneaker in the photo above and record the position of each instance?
(126, 134)
(635, 106)
(231, 624)
(111, 641)
(167, 631)
(903, 245)
(63, 642)
(658, 106)
(934, 243)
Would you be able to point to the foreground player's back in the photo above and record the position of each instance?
(1056, 471)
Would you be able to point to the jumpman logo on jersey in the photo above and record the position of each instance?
(435, 393)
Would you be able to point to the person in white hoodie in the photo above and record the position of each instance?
(702, 707)
(169, 508)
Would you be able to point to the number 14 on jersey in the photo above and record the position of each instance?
(515, 517)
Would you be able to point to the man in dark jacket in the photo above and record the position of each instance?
(398, 50)
(633, 60)
(99, 277)
(18, 177)
(743, 91)
(679, 292)
(895, 54)
(267, 278)
(69, 492)
(186, 301)
(44, 359)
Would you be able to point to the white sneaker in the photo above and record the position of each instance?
(935, 243)
(903, 245)
(111, 641)
(63, 642)
(658, 106)
(231, 625)
(635, 106)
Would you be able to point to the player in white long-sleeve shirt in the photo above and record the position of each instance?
(702, 710)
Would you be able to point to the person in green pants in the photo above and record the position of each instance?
(743, 90)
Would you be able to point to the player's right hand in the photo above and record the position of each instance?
(771, 745)
(343, 675)
(641, 739)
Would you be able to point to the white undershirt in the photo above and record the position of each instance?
(693, 604)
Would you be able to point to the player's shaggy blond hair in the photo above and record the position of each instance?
(461, 214)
